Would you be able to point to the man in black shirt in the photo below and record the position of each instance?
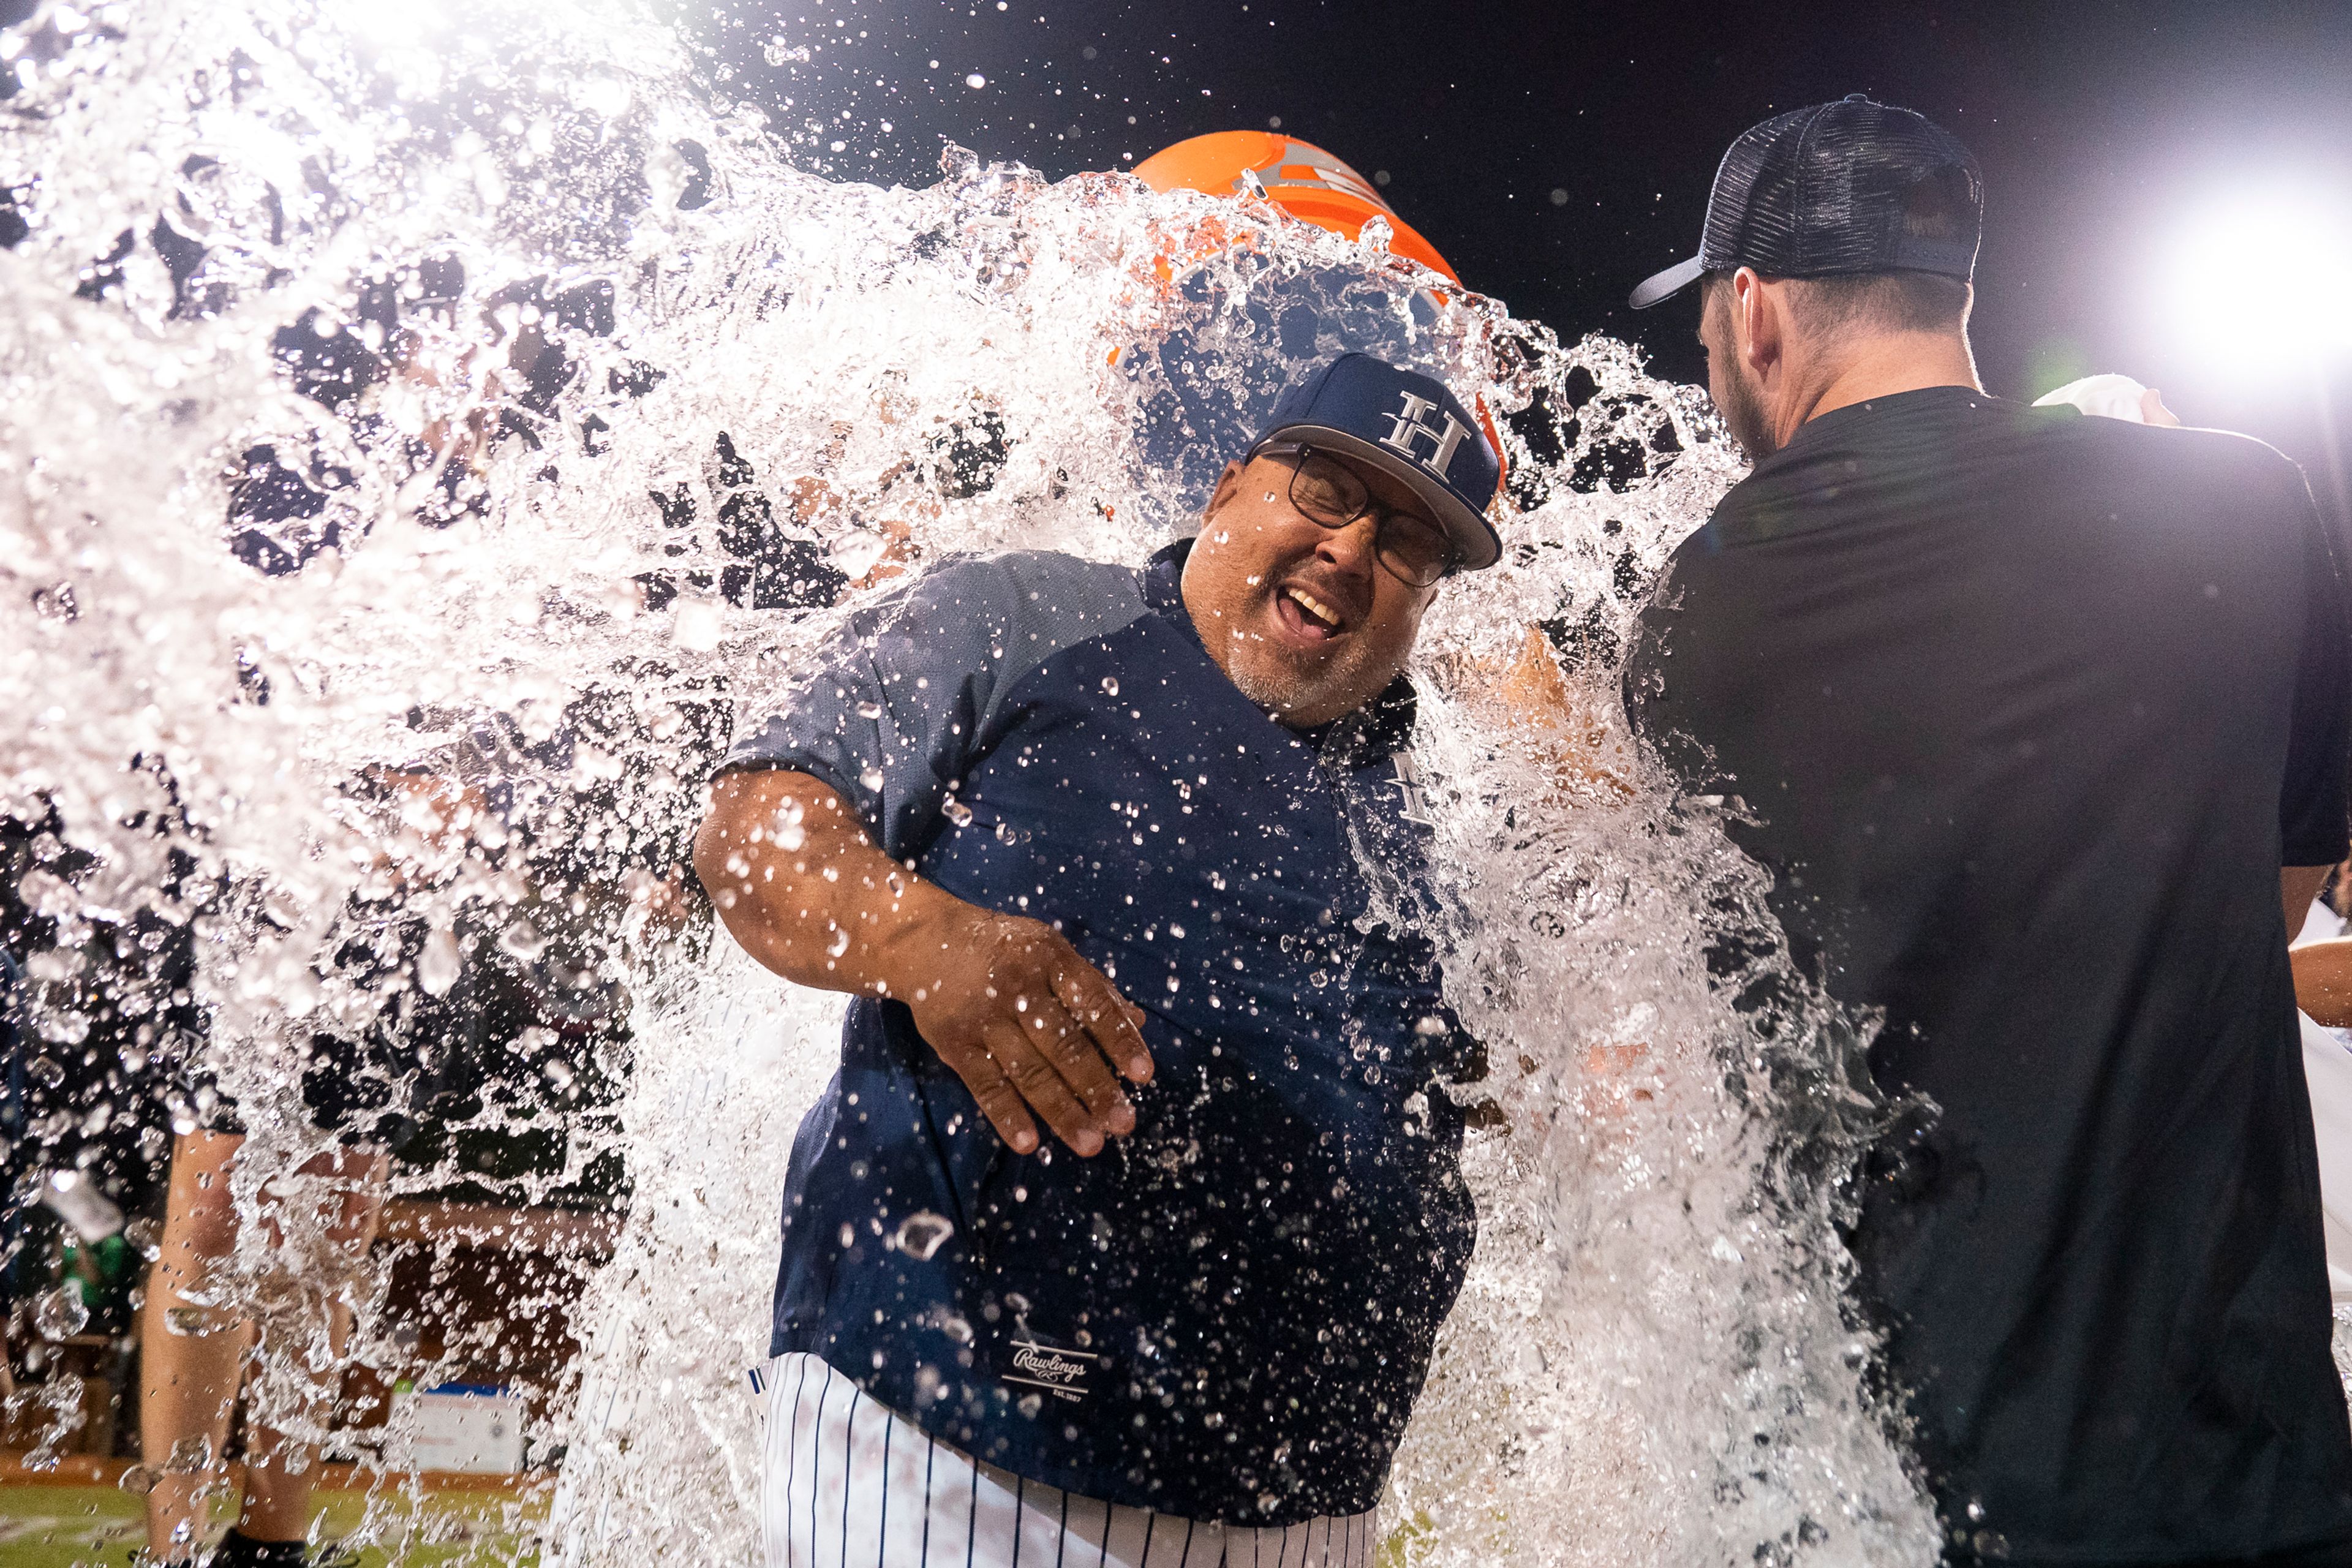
(2024, 712)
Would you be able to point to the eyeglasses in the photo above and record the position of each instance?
(1329, 494)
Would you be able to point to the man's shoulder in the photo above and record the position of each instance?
(2174, 477)
(1032, 583)
(2259, 466)
(2223, 454)
(2051, 454)
(1007, 611)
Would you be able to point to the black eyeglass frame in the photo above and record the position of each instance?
(1383, 515)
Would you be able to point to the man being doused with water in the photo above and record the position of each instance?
(2035, 720)
(1057, 824)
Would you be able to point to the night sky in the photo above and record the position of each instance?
(1556, 153)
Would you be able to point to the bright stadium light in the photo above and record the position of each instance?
(2262, 282)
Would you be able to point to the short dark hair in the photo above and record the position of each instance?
(1934, 207)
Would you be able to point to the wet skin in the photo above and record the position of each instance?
(1303, 619)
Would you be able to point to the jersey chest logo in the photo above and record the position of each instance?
(1409, 792)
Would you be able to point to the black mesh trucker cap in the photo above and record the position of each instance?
(1819, 191)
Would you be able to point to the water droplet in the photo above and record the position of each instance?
(59, 1313)
(697, 628)
(922, 1232)
(438, 965)
(975, 81)
(45, 1071)
(955, 811)
(139, 1480)
(869, 709)
(523, 940)
(1110, 685)
(871, 778)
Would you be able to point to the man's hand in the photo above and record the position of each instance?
(1536, 698)
(1028, 1024)
(2323, 969)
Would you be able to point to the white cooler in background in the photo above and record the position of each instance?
(473, 1428)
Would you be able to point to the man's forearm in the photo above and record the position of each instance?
(1004, 1000)
(2323, 982)
(806, 892)
(2298, 886)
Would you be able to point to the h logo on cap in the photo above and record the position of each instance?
(1409, 426)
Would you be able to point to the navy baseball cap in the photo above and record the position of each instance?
(1406, 424)
(1822, 191)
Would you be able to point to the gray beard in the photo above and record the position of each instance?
(1276, 696)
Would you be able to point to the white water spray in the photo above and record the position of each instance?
(637, 407)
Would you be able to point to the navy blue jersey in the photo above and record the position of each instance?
(1228, 1314)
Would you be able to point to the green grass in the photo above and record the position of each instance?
(81, 1526)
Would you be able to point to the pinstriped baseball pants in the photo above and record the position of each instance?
(848, 1483)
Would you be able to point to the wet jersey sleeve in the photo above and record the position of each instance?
(894, 709)
(2313, 807)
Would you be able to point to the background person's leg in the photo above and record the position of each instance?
(282, 1467)
(191, 1355)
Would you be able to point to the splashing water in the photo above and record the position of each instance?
(583, 412)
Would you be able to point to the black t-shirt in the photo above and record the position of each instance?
(2025, 711)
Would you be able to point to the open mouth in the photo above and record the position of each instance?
(1307, 616)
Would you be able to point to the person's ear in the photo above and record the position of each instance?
(1756, 322)
(1229, 484)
